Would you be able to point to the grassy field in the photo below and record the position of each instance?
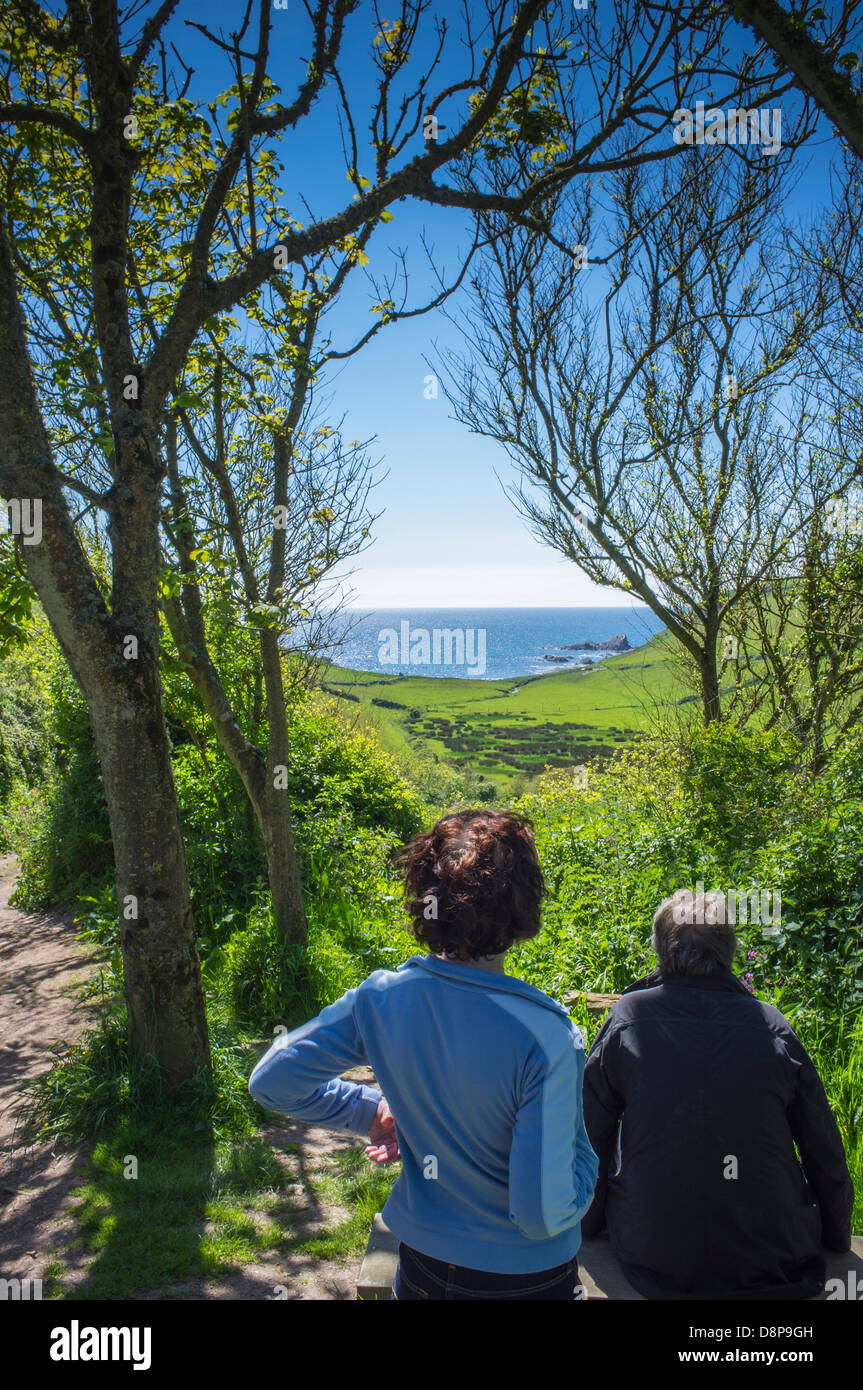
(507, 731)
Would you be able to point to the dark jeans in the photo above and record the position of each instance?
(418, 1276)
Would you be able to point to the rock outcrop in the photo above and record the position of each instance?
(618, 643)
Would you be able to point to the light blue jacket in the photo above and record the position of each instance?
(483, 1075)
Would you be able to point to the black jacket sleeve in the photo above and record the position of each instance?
(603, 1107)
(817, 1137)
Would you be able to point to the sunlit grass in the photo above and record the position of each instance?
(359, 1186)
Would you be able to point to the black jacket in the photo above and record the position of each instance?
(695, 1094)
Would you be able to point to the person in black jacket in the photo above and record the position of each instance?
(695, 1094)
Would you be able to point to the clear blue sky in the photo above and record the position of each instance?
(448, 535)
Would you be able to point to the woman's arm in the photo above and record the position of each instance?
(552, 1168)
(301, 1073)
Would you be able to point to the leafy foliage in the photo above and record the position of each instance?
(735, 810)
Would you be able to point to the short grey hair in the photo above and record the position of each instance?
(691, 935)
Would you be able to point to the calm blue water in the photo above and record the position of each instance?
(486, 643)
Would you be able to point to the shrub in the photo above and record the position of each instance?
(264, 980)
(336, 771)
(733, 809)
(65, 844)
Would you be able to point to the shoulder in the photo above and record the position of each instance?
(547, 1030)
(779, 1025)
(644, 997)
(382, 981)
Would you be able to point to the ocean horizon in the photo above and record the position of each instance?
(482, 643)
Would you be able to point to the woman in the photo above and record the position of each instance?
(482, 1072)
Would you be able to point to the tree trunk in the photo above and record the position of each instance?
(161, 971)
(163, 982)
(274, 818)
(262, 777)
(709, 672)
(288, 907)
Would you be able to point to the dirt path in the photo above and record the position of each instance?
(41, 1014)
(289, 1277)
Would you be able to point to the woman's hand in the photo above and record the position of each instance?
(384, 1146)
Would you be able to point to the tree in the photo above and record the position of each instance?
(233, 483)
(809, 49)
(648, 419)
(84, 94)
(798, 652)
(798, 658)
(78, 96)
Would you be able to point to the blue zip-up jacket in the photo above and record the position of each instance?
(483, 1075)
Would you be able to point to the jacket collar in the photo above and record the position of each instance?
(721, 978)
(483, 979)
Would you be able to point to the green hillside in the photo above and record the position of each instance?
(511, 729)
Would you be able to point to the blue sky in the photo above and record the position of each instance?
(448, 535)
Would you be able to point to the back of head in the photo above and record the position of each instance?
(691, 935)
(473, 884)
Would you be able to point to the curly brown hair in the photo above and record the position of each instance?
(473, 884)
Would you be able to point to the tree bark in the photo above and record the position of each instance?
(259, 773)
(275, 815)
(123, 693)
(161, 970)
(709, 672)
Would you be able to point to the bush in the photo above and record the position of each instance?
(93, 1089)
(25, 742)
(64, 837)
(264, 980)
(345, 794)
(731, 809)
(335, 772)
(225, 857)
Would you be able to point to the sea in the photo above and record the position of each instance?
(481, 643)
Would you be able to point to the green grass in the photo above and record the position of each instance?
(166, 1196)
(838, 1056)
(507, 730)
(362, 1189)
(193, 1209)
(193, 1206)
(212, 1196)
(197, 1207)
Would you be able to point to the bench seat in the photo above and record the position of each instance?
(600, 1272)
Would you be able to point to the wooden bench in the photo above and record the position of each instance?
(379, 1263)
(596, 1003)
(600, 1273)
